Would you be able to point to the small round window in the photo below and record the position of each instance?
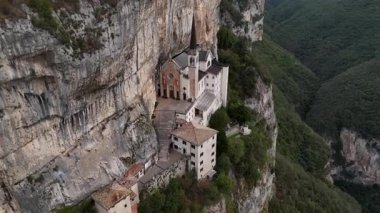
(171, 76)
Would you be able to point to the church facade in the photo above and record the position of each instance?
(195, 76)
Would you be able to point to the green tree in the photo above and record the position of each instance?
(241, 114)
(226, 38)
(219, 119)
(236, 150)
(223, 163)
(222, 143)
(212, 193)
(152, 202)
(224, 183)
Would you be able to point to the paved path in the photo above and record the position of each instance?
(233, 130)
(164, 123)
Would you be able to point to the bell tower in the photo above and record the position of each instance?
(193, 57)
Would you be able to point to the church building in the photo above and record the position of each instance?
(195, 76)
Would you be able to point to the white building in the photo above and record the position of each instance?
(197, 77)
(113, 198)
(199, 143)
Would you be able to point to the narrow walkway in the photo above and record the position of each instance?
(164, 123)
(234, 130)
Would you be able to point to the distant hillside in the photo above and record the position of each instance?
(327, 36)
(297, 82)
(303, 153)
(298, 191)
(293, 86)
(351, 100)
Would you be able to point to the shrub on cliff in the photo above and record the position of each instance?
(219, 119)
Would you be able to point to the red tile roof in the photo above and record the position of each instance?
(135, 169)
(110, 195)
(193, 133)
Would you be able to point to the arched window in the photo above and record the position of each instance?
(171, 76)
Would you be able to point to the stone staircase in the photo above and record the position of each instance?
(164, 123)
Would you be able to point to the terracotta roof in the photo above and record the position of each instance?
(110, 195)
(194, 133)
(136, 168)
(128, 181)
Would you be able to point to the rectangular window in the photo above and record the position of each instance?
(184, 142)
(213, 145)
(193, 163)
(175, 138)
(201, 169)
(192, 155)
(212, 161)
(213, 153)
(212, 85)
(206, 84)
(175, 147)
(201, 154)
(201, 162)
(192, 146)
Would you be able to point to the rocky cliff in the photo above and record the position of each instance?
(361, 159)
(72, 121)
(256, 200)
(245, 18)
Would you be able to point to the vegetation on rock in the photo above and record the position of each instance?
(186, 194)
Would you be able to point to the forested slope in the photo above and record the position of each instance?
(327, 36)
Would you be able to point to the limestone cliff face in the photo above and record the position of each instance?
(256, 199)
(251, 22)
(361, 159)
(70, 125)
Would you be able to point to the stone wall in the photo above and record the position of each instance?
(162, 174)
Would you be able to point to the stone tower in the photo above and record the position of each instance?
(193, 57)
